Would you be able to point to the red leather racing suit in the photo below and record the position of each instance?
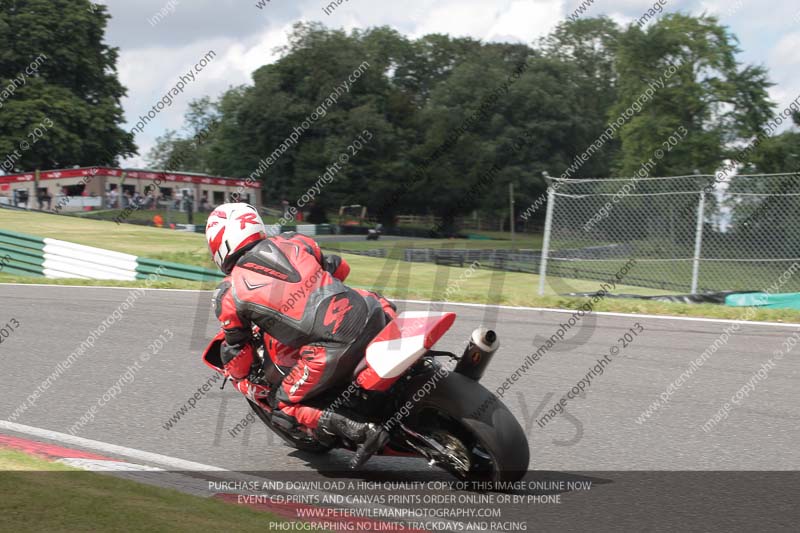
(315, 328)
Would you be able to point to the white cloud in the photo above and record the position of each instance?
(783, 65)
(245, 58)
(785, 52)
(527, 21)
(150, 73)
(468, 18)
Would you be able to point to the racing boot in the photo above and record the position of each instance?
(369, 437)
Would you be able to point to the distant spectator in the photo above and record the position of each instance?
(21, 197)
(85, 193)
(316, 214)
(188, 204)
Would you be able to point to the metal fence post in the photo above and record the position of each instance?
(548, 226)
(698, 241)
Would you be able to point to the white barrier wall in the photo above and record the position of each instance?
(68, 260)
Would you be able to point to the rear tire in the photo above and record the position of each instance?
(482, 423)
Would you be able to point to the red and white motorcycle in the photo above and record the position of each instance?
(445, 417)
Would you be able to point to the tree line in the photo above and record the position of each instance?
(445, 112)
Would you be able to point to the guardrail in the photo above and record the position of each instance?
(28, 255)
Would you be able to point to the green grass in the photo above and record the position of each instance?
(526, 241)
(521, 240)
(146, 215)
(39, 495)
(164, 284)
(425, 281)
(156, 243)
(747, 273)
(396, 279)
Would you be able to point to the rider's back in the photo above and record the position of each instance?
(281, 286)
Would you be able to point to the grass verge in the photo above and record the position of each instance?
(533, 242)
(422, 281)
(395, 279)
(146, 215)
(40, 495)
(156, 243)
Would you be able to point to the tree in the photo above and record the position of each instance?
(588, 49)
(518, 124)
(710, 94)
(777, 154)
(770, 216)
(190, 151)
(453, 121)
(256, 120)
(74, 87)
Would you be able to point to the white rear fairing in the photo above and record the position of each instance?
(404, 340)
(391, 358)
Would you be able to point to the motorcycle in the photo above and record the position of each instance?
(445, 417)
(373, 234)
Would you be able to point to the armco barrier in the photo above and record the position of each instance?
(52, 258)
(25, 254)
(176, 270)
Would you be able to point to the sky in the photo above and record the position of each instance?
(159, 40)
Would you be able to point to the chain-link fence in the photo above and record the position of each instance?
(688, 233)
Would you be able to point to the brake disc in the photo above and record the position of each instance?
(457, 454)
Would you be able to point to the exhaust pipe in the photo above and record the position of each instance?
(478, 354)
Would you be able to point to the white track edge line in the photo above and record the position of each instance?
(469, 304)
(614, 313)
(164, 460)
(157, 458)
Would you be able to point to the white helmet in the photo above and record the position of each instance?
(231, 228)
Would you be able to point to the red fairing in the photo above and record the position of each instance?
(395, 453)
(420, 331)
(368, 380)
(214, 346)
(433, 327)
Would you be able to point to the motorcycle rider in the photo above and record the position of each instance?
(315, 328)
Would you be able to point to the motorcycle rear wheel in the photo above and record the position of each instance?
(465, 410)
